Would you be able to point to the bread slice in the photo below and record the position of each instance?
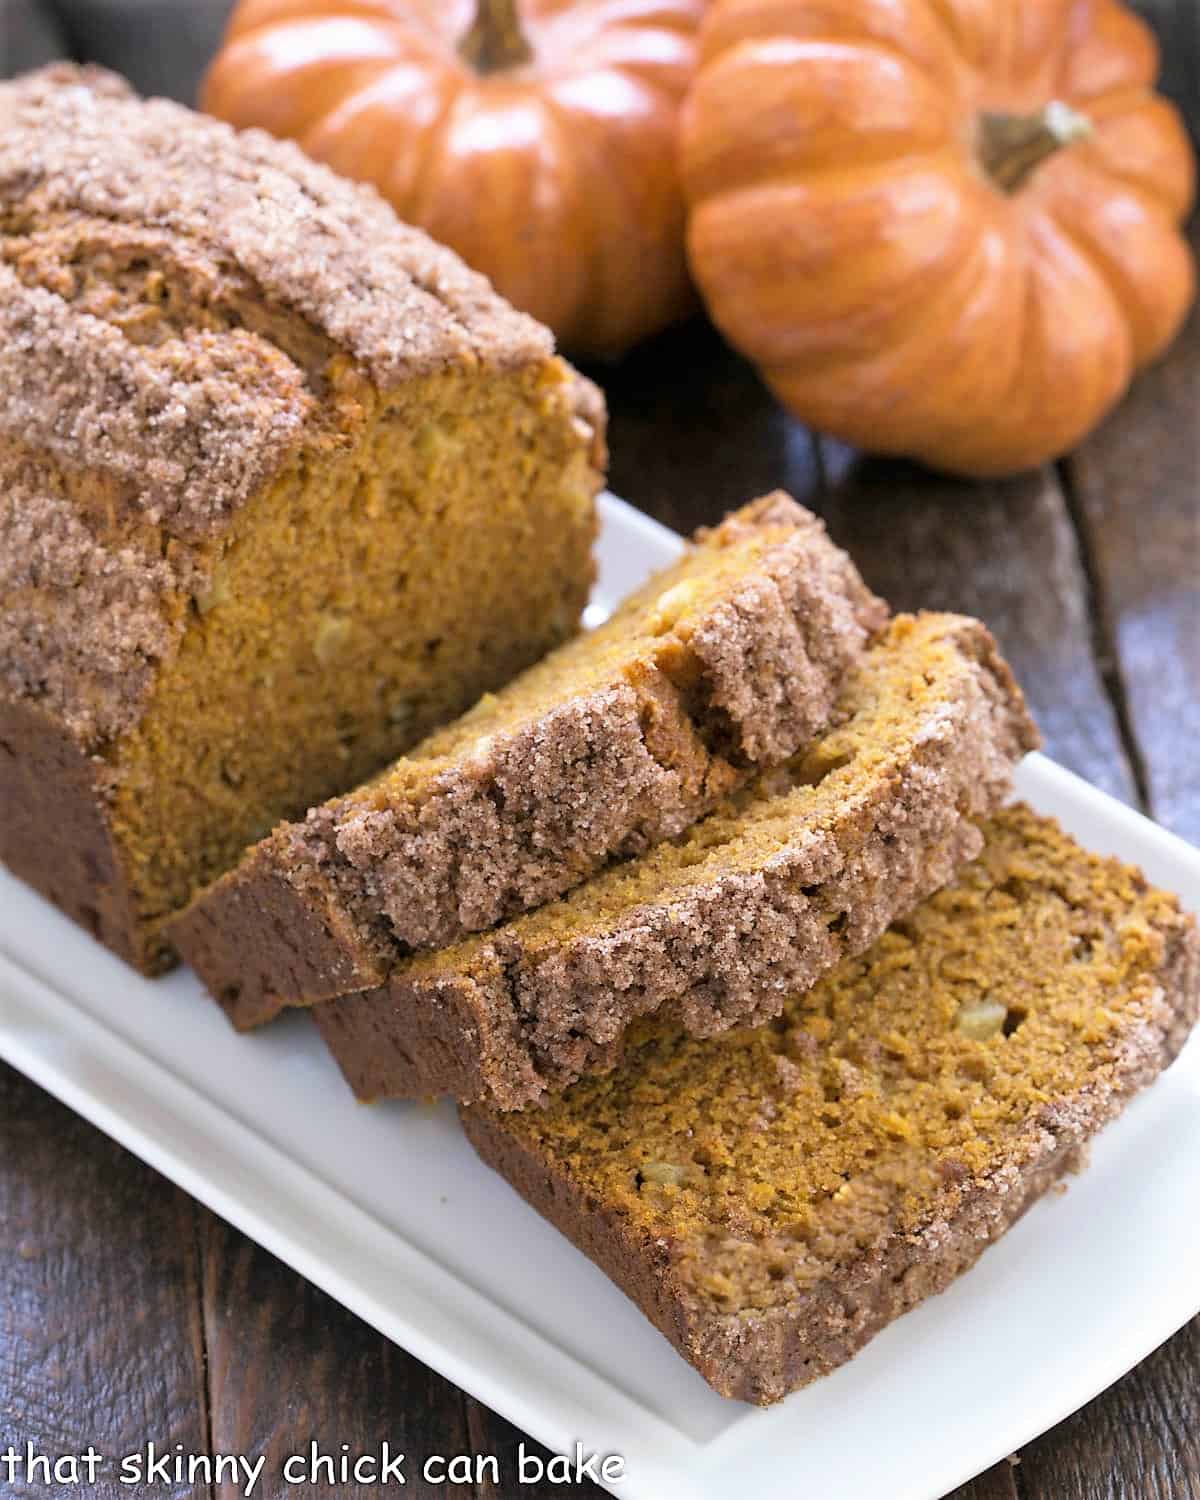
(772, 1198)
(284, 485)
(728, 660)
(809, 862)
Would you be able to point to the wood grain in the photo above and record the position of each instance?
(289, 1367)
(998, 1483)
(694, 434)
(100, 1337)
(1140, 1440)
(1136, 492)
(1006, 553)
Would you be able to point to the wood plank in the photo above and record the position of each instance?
(1141, 1438)
(288, 1366)
(694, 433)
(100, 1339)
(998, 1483)
(1005, 552)
(1136, 491)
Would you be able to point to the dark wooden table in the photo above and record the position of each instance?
(128, 1312)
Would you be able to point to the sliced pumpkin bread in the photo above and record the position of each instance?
(772, 1198)
(727, 661)
(807, 863)
(283, 485)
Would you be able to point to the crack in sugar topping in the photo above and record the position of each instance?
(189, 427)
(83, 625)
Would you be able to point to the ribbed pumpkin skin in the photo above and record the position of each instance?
(847, 238)
(558, 178)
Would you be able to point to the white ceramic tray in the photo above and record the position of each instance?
(388, 1210)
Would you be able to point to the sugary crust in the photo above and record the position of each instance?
(612, 771)
(763, 1356)
(79, 141)
(771, 656)
(111, 454)
(83, 625)
(184, 311)
(718, 954)
(185, 429)
(605, 773)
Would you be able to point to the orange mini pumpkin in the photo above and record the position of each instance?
(540, 143)
(941, 228)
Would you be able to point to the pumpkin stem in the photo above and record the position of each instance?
(1012, 146)
(495, 41)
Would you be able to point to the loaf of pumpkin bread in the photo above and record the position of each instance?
(729, 660)
(808, 862)
(772, 1198)
(284, 485)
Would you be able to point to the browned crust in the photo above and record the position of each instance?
(54, 832)
(605, 773)
(762, 1358)
(716, 955)
(284, 940)
(483, 1052)
(411, 1052)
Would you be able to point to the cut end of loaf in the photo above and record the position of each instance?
(729, 659)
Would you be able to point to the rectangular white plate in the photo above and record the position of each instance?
(389, 1211)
